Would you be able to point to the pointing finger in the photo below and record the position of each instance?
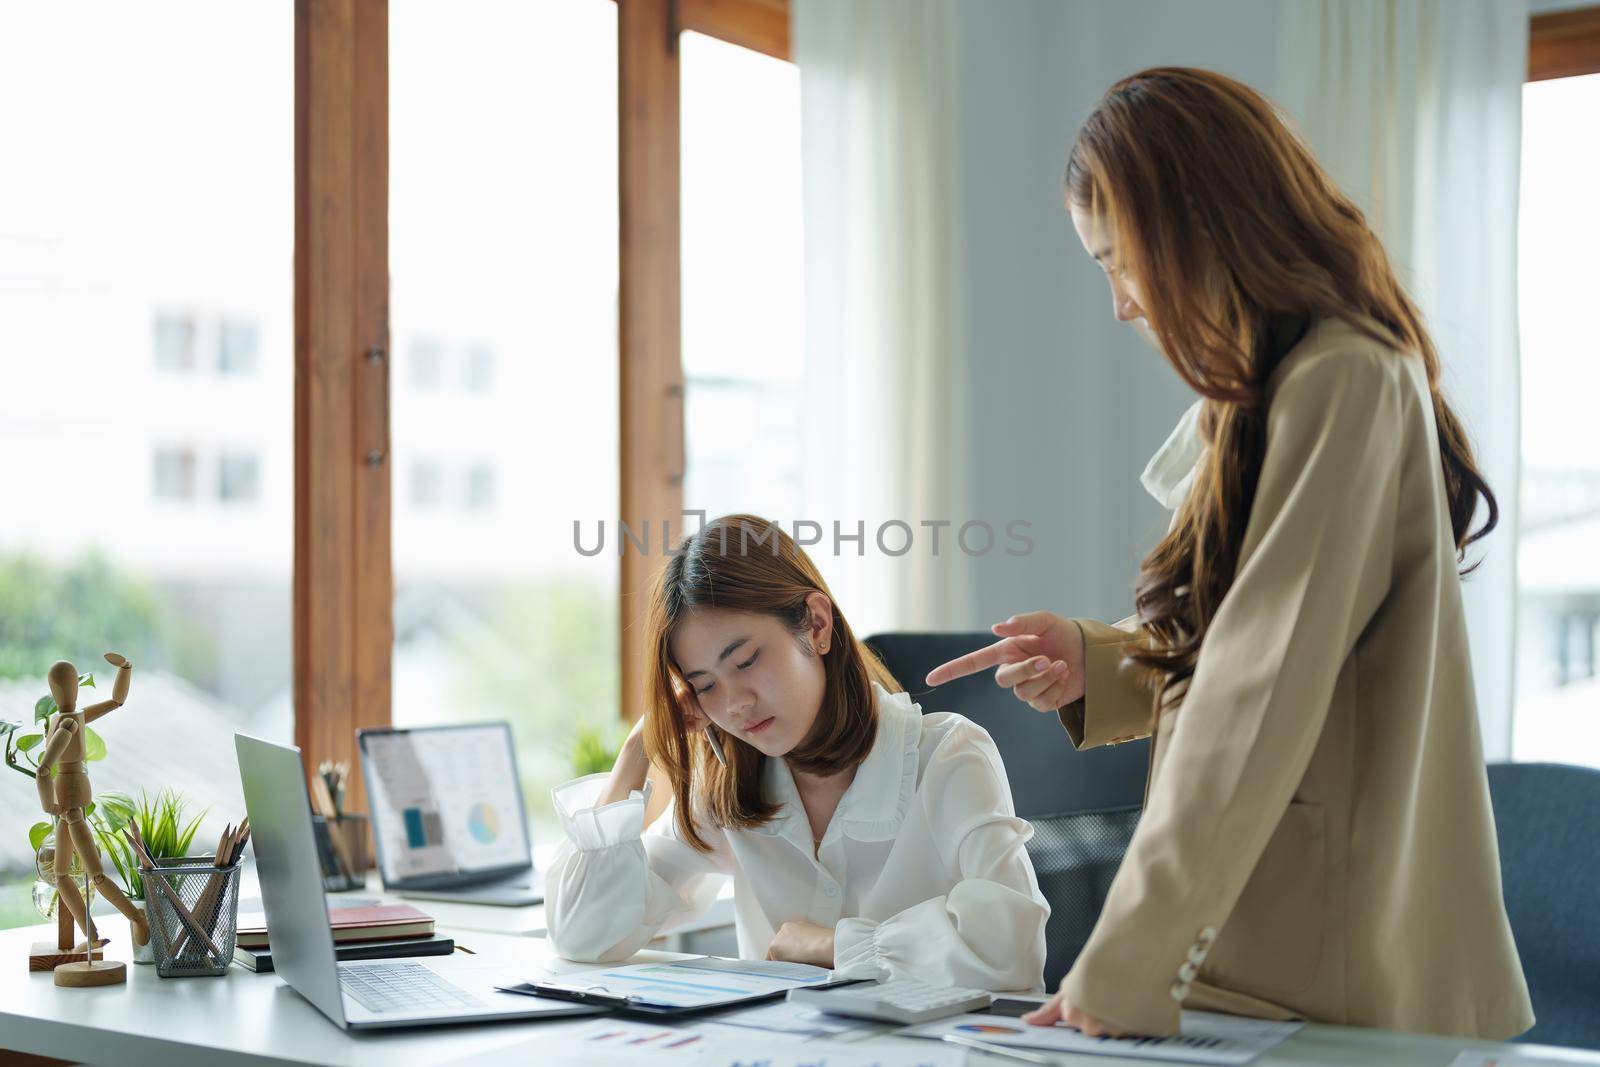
(973, 662)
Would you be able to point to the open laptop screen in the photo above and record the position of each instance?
(445, 800)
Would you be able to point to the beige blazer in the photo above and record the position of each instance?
(1317, 840)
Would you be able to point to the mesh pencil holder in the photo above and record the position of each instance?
(193, 910)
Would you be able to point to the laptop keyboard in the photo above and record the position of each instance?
(382, 987)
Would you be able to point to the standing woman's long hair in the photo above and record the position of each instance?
(1228, 223)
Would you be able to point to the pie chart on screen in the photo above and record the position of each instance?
(483, 823)
(987, 1028)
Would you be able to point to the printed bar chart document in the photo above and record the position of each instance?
(623, 1043)
(1206, 1037)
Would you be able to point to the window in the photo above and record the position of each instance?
(426, 358)
(238, 477)
(743, 353)
(171, 285)
(426, 484)
(478, 369)
(504, 299)
(174, 342)
(237, 345)
(174, 474)
(479, 493)
(109, 322)
(1558, 678)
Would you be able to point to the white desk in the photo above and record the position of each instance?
(254, 1019)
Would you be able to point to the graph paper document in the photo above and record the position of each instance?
(622, 1043)
(1207, 1037)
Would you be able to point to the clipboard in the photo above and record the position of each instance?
(597, 994)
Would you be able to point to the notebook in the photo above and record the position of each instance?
(260, 959)
(681, 987)
(378, 922)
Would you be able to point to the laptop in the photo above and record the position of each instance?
(447, 814)
(368, 994)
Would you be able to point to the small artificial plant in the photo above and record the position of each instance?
(594, 750)
(162, 824)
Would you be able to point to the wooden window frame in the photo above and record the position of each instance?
(649, 305)
(760, 25)
(1564, 44)
(650, 342)
(343, 600)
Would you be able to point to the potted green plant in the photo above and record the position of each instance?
(168, 831)
(594, 750)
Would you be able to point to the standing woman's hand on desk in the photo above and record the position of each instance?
(1059, 1009)
(633, 765)
(1040, 656)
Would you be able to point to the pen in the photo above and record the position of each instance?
(998, 1050)
(534, 989)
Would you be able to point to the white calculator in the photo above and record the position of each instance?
(897, 1000)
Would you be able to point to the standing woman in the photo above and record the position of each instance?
(1317, 840)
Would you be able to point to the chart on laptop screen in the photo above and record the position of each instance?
(445, 800)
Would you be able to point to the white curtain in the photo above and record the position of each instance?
(1415, 107)
(885, 437)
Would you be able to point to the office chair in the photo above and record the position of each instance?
(1083, 805)
(1546, 816)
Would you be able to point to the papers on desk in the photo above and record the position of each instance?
(623, 1041)
(1496, 1058)
(816, 1054)
(795, 1020)
(615, 1042)
(1207, 1037)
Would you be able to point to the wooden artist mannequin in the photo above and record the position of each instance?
(64, 791)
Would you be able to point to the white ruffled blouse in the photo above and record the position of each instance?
(923, 870)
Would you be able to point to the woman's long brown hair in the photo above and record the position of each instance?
(744, 563)
(1229, 225)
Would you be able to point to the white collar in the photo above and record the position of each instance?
(876, 802)
(1171, 471)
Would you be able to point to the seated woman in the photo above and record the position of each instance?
(861, 835)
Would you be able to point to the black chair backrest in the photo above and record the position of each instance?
(1547, 816)
(1075, 856)
(1048, 776)
(1083, 805)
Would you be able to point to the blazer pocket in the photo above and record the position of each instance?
(1272, 943)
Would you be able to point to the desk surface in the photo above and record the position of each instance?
(255, 1019)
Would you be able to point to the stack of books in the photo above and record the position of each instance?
(370, 932)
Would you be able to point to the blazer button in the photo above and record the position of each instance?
(1187, 972)
(1178, 990)
(1207, 935)
(1197, 953)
